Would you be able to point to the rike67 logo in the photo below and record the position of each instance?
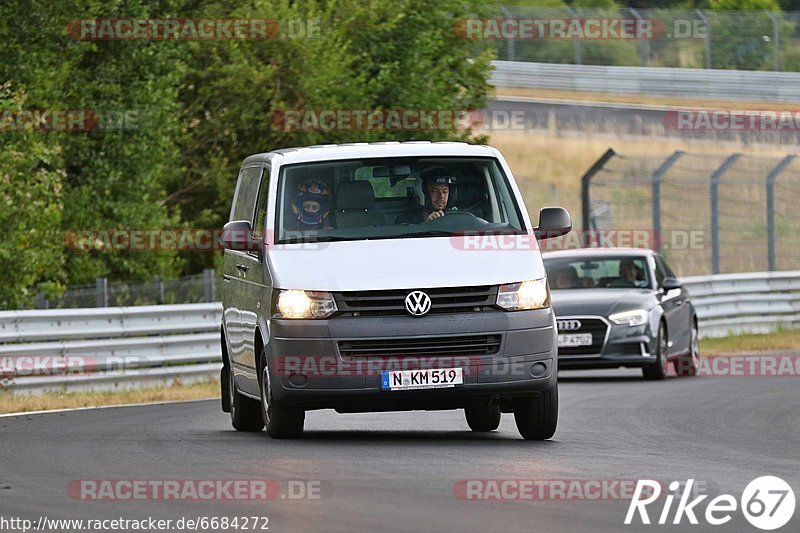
(767, 503)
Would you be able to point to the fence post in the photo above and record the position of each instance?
(509, 40)
(771, 177)
(101, 292)
(160, 293)
(776, 27)
(209, 284)
(585, 197)
(577, 42)
(642, 45)
(704, 18)
(656, 183)
(715, 209)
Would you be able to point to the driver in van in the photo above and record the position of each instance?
(436, 184)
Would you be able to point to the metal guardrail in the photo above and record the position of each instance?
(686, 82)
(752, 302)
(109, 348)
(130, 347)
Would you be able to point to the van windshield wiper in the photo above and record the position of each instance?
(311, 239)
(428, 233)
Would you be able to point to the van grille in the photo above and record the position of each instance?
(422, 346)
(392, 302)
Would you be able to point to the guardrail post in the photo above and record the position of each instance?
(101, 292)
(209, 284)
(585, 197)
(715, 209)
(656, 184)
(771, 177)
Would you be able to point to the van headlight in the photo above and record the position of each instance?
(304, 304)
(637, 317)
(531, 294)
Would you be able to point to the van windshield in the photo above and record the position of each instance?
(394, 198)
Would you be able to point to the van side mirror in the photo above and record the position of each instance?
(671, 283)
(238, 235)
(553, 222)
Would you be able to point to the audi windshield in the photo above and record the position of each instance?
(395, 198)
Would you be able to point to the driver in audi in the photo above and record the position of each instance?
(436, 183)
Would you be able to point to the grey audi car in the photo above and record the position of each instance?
(621, 307)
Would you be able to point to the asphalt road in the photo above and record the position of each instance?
(397, 471)
(603, 118)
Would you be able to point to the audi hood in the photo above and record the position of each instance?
(603, 302)
(409, 263)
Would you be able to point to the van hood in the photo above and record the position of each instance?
(397, 264)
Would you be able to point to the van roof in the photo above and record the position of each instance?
(322, 152)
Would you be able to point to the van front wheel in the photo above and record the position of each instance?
(537, 418)
(282, 421)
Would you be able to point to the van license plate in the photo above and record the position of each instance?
(432, 378)
(574, 339)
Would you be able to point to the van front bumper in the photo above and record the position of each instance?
(312, 367)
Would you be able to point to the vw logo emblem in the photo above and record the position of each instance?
(418, 303)
(568, 325)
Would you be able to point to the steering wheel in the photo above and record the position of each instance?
(451, 213)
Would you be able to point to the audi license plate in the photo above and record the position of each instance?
(574, 339)
(432, 378)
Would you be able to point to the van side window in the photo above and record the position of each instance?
(261, 207)
(246, 194)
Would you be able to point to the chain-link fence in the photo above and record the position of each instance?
(741, 40)
(705, 213)
(103, 293)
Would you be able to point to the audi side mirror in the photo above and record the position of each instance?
(671, 283)
(553, 222)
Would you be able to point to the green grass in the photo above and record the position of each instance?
(17, 403)
(783, 339)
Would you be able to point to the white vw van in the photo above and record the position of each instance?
(386, 276)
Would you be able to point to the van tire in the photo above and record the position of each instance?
(537, 418)
(483, 418)
(282, 421)
(245, 412)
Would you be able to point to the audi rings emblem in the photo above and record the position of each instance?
(568, 325)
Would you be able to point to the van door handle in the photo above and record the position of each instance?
(243, 268)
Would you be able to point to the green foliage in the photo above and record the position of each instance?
(31, 208)
(197, 109)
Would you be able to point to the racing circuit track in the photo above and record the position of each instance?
(397, 471)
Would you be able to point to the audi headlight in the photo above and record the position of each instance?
(531, 294)
(304, 304)
(637, 317)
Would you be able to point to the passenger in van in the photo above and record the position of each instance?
(436, 184)
(311, 206)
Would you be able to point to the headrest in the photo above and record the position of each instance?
(355, 195)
